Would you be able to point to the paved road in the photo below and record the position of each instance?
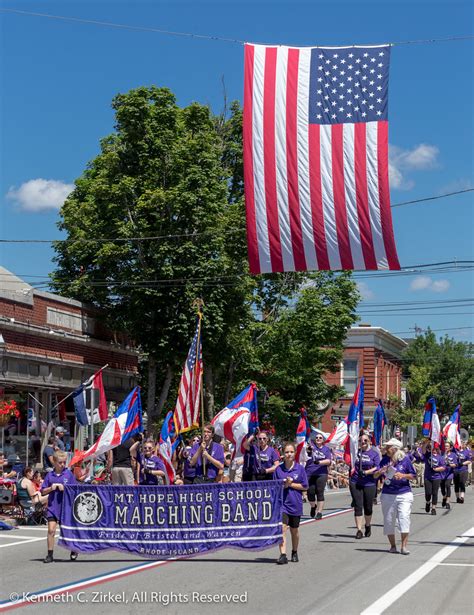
(336, 574)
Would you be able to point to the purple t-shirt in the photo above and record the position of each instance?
(318, 454)
(257, 461)
(464, 455)
(55, 498)
(216, 451)
(152, 463)
(188, 470)
(395, 487)
(430, 466)
(292, 499)
(418, 455)
(370, 459)
(450, 458)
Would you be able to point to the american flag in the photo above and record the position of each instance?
(316, 159)
(186, 413)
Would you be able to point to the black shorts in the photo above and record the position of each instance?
(291, 520)
(52, 518)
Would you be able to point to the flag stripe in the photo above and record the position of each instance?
(292, 158)
(327, 197)
(248, 162)
(284, 216)
(269, 158)
(304, 162)
(258, 161)
(317, 198)
(339, 196)
(373, 191)
(362, 195)
(351, 198)
(384, 196)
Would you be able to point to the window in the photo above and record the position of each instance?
(349, 376)
(22, 368)
(66, 373)
(66, 320)
(34, 369)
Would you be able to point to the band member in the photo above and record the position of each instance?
(451, 462)
(460, 473)
(363, 484)
(434, 470)
(295, 483)
(207, 457)
(151, 469)
(317, 468)
(261, 460)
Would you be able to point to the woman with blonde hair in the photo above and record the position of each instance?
(397, 496)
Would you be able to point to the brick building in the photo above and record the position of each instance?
(374, 353)
(50, 344)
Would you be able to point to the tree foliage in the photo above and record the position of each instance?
(443, 369)
(176, 174)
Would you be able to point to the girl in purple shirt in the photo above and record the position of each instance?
(434, 470)
(451, 462)
(317, 471)
(460, 473)
(363, 486)
(295, 483)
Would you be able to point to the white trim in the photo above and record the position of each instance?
(115, 541)
(168, 529)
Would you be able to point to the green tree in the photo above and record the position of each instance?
(443, 369)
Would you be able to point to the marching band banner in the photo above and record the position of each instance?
(162, 522)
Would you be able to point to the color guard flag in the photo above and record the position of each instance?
(303, 434)
(380, 421)
(315, 131)
(355, 421)
(237, 420)
(126, 422)
(452, 427)
(339, 435)
(167, 445)
(90, 404)
(431, 427)
(186, 413)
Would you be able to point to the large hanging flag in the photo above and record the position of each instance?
(238, 419)
(452, 427)
(167, 445)
(90, 404)
(431, 427)
(303, 434)
(380, 420)
(316, 158)
(126, 422)
(355, 422)
(186, 413)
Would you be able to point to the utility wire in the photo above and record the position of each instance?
(120, 26)
(192, 235)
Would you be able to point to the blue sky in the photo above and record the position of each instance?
(58, 79)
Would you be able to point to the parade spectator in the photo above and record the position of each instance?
(6, 472)
(207, 458)
(418, 465)
(464, 455)
(60, 431)
(260, 460)
(451, 462)
(434, 469)
(317, 468)
(53, 487)
(119, 461)
(48, 453)
(151, 469)
(363, 484)
(27, 492)
(397, 496)
(295, 482)
(37, 480)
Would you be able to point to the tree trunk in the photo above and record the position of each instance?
(151, 392)
(164, 390)
(209, 392)
(230, 381)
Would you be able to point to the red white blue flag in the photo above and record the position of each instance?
(380, 421)
(315, 134)
(238, 419)
(126, 423)
(431, 426)
(167, 445)
(355, 421)
(90, 404)
(452, 427)
(303, 435)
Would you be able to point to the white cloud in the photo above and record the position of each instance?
(420, 158)
(424, 282)
(365, 291)
(40, 194)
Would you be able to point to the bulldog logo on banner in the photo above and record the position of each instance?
(87, 508)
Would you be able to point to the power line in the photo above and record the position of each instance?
(193, 235)
(434, 330)
(110, 24)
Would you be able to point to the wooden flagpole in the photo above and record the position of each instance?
(199, 304)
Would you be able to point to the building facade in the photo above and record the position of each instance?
(372, 353)
(50, 344)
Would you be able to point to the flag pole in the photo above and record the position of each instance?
(199, 304)
(69, 394)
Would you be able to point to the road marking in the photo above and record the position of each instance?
(380, 605)
(21, 542)
(42, 595)
(14, 535)
(449, 564)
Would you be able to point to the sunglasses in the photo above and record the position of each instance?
(148, 448)
(263, 438)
